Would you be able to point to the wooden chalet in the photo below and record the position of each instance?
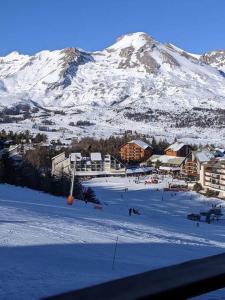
(178, 149)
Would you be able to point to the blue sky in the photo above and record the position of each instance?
(29, 26)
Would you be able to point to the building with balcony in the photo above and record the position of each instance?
(193, 162)
(93, 164)
(212, 176)
(135, 151)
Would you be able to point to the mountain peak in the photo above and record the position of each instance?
(135, 40)
(13, 55)
(134, 35)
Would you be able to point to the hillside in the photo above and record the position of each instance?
(48, 247)
(137, 83)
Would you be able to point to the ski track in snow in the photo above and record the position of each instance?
(48, 247)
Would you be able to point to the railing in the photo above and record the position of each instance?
(215, 186)
(180, 281)
(214, 171)
(216, 175)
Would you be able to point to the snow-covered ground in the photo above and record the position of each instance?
(160, 130)
(47, 247)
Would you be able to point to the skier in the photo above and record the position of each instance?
(130, 211)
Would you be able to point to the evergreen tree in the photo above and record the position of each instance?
(157, 164)
(197, 187)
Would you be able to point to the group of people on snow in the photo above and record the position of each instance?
(134, 211)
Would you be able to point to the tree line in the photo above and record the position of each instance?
(22, 137)
(112, 144)
(24, 173)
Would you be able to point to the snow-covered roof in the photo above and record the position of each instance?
(176, 146)
(96, 156)
(140, 143)
(142, 170)
(139, 170)
(167, 159)
(220, 150)
(75, 156)
(216, 162)
(166, 168)
(13, 147)
(203, 156)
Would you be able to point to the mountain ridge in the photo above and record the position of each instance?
(137, 80)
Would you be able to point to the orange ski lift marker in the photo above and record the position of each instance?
(70, 200)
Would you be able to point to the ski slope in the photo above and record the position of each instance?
(47, 247)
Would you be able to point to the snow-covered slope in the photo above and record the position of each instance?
(47, 247)
(137, 81)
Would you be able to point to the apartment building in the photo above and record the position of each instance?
(212, 176)
(135, 151)
(195, 160)
(93, 164)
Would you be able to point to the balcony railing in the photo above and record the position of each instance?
(180, 281)
(216, 175)
(215, 186)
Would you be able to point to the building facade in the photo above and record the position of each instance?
(135, 151)
(189, 169)
(195, 160)
(166, 163)
(212, 176)
(94, 164)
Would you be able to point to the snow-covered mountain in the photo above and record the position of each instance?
(137, 83)
(215, 59)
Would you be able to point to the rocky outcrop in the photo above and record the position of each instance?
(169, 59)
(126, 55)
(149, 63)
(71, 60)
(215, 59)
